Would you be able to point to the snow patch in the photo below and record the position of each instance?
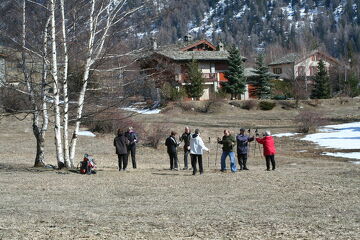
(342, 136)
(285, 134)
(86, 133)
(142, 111)
(352, 155)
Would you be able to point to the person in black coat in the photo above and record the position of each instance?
(171, 145)
(185, 137)
(132, 137)
(121, 144)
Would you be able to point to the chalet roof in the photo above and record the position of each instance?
(289, 58)
(250, 72)
(180, 52)
(204, 41)
(296, 58)
(197, 55)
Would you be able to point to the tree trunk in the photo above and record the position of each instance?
(40, 147)
(57, 128)
(68, 162)
(81, 98)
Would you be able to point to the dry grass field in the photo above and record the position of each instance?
(309, 196)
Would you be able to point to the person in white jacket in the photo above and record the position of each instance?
(197, 147)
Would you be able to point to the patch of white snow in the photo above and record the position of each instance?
(86, 133)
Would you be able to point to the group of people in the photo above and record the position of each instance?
(195, 147)
(125, 144)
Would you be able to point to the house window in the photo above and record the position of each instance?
(313, 70)
(313, 58)
(301, 71)
(277, 70)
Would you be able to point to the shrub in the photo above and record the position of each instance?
(288, 105)
(170, 93)
(111, 120)
(313, 102)
(221, 94)
(186, 106)
(12, 100)
(155, 134)
(249, 104)
(266, 106)
(308, 121)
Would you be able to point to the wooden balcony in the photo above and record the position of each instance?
(209, 77)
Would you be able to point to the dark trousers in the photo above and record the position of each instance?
(132, 152)
(173, 160)
(186, 155)
(270, 158)
(242, 159)
(123, 161)
(196, 158)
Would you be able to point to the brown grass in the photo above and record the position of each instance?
(308, 197)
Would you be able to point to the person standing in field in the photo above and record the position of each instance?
(197, 147)
(172, 145)
(185, 137)
(242, 148)
(269, 149)
(121, 144)
(132, 137)
(228, 142)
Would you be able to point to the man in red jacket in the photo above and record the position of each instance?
(269, 149)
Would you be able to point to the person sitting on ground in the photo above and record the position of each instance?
(121, 144)
(269, 149)
(197, 147)
(172, 145)
(242, 148)
(186, 138)
(228, 142)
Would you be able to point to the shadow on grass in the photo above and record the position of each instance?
(13, 168)
(166, 174)
(22, 168)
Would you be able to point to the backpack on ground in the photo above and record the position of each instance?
(87, 165)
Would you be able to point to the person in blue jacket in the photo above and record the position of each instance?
(242, 141)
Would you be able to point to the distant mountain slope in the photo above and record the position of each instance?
(254, 24)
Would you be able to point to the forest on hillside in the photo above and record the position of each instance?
(277, 26)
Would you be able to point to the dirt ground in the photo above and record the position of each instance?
(309, 196)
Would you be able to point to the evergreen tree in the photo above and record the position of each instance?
(236, 80)
(262, 83)
(322, 87)
(196, 88)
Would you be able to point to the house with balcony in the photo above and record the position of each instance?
(169, 64)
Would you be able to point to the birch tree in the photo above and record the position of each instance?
(92, 26)
(40, 117)
(101, 19)
(56, 88)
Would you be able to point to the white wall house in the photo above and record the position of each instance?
(295, 65)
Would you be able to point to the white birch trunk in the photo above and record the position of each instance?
(68, 162)
(111, 10)
(54, 70)
(38, 131)
(80, 103)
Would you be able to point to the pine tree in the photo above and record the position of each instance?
(236, 80)
(321, 88)
(195, 88)
(262, 83)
